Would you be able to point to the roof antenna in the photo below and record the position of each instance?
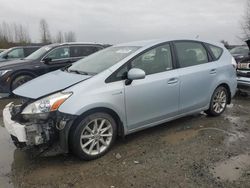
(197, 36)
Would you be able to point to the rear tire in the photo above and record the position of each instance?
(20, 80)
(93, 136)
(218, 102)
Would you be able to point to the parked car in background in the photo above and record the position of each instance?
(1, 50)
(121, 90)
(17, 53)
(240, 52)
(243, 73)
(46, 59)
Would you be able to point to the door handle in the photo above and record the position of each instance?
(213, 71)
(172, 80)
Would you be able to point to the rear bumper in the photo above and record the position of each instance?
(244, 83)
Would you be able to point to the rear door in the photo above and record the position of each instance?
(197, 74)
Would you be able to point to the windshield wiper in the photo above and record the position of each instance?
(77, 72)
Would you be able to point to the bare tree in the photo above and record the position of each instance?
(44, 29)
(21, 34)
(10, 34)
(6, 32)
(59, 37)
(70, 36)
(246, 22)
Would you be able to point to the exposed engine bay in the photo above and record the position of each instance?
(41, 131)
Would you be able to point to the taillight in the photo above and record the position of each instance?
(234, 63)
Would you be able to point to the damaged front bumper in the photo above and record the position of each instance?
(54, 131)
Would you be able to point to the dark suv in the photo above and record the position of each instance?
(46, 59)
(17, 53)
(240, 52)
(243, 72)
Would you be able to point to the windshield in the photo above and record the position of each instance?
(241, 50)
(102, 60)
(5, 52)
(38, 53)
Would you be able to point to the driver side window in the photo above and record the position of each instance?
(154, 61)
(59, 53)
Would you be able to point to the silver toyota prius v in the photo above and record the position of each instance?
(120, 90)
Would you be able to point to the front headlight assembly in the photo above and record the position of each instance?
(45, 105)
(3, 72)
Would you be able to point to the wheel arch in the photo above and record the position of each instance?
(225, 85)
(111, 112)
(20, 73)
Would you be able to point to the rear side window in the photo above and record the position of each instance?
(217, 51)
(191, 53)
(81, 51)
(28, 51)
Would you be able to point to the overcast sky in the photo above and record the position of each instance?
(115, 21)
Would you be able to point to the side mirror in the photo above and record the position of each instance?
(47, 60)
(135, 74)
(6, 56)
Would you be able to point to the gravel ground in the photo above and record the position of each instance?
(195, 151)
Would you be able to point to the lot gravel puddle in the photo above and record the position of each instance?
(7, 150)
(6, 157)
(231, 169)
(175, 137)
(186, 152)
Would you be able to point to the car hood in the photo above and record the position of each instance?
(9, 64)
(49, 83)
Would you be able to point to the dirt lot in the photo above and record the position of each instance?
(196, 151)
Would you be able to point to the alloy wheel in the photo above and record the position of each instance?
(219, 101)
(96, 136)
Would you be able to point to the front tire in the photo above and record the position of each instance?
(20, 80)
(93, 136)
(218, 101)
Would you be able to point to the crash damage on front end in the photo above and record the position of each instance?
(38, 124)
(36, 121)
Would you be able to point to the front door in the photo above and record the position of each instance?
(156, 97)
(60, 57)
